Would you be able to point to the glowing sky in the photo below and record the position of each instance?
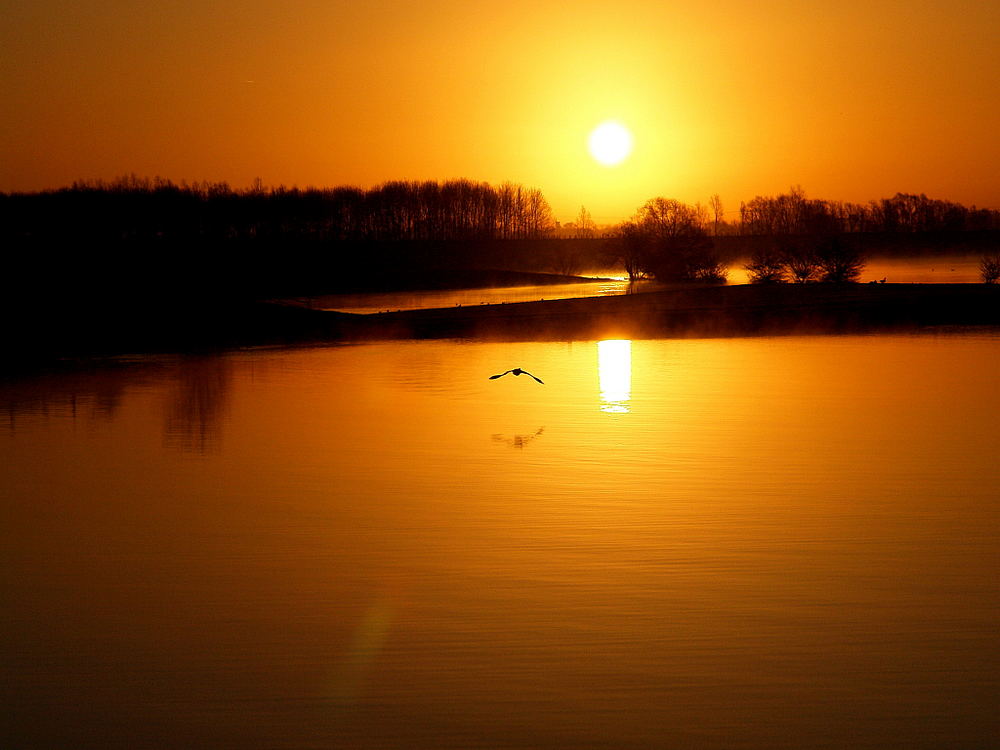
(852, 100)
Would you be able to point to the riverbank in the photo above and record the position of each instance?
(737, 310)
(705, 311)
(164, 315)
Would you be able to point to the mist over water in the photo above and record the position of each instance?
(727, 543)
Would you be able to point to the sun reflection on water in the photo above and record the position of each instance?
(614, 367)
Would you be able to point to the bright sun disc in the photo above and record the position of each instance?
(610, 143)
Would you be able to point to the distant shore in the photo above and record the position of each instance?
(702, 311)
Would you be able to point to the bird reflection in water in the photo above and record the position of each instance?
(614, 371)
(518, 441)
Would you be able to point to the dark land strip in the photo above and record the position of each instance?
(707, 311)
(704, 311)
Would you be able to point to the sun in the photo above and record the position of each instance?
(610, 143)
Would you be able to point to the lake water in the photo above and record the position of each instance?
(730, 543)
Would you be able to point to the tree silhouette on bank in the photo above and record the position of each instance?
(667, 240)
(830, 258)
(269, 241)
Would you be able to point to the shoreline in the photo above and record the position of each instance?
(701, 311)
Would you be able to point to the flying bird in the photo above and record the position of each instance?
(516, 371)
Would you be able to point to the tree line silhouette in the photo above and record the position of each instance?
(135, 208)
(793, 213)
(277, 240)
(788, 237)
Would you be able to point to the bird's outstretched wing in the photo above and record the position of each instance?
(494, 377)
(528, 373)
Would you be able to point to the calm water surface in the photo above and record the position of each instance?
(749, 543)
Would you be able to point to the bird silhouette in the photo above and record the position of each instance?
(516, 371)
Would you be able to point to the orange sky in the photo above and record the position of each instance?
(852, 100)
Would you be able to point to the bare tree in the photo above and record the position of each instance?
(767, 266)
(989, 269)
(802, 266)
(633, 247)
(715, 203)
(838, 262)
(585, 226)
(539, 215)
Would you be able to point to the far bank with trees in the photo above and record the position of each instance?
(265, 241)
